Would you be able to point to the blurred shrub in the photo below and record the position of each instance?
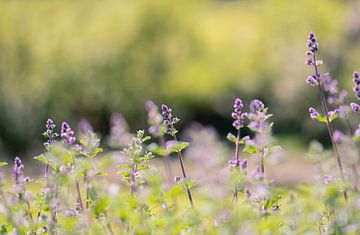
(88, 59)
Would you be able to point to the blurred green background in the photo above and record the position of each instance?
(87, 59)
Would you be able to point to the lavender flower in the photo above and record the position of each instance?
(168, 120)
(67, 134)
(238, 163)
(18, 171)
(355, 107)
(155, 119)
(328, 179)
(177, 179)
(237, 115)
(313, 113)
(84, 126)
(50, 134)
(338, 136)
(356, 79)
(312, 81)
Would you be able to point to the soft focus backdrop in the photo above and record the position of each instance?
(88, 59)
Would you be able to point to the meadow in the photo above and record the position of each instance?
(85, 188)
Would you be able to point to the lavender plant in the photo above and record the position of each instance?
(175, 146)
(235, 164)
(79, 195)
(322, 82)
(135, 164)
(157, 130)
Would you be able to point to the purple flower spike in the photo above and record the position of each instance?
(356, 79)
(168, 120)
(18, 171)
(237, 115)
(355, 107)
(256, 106)
(67, 134)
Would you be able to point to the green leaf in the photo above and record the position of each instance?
(231, 137)
(94, 152)
(3, 164)
(155, 148)
(101, 173)
(146, 138)
(41, 158)
(175, 146)
(272, 149)
(322, 118)
(250, 149)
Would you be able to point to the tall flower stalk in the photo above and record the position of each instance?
(316, 80)
(235, 163)
(157, 129)
(169, 122)
(50, 135)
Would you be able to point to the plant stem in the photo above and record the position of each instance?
(184, 174)
(108, 225)
(133, 179)
(79, 196)
(87, 183)
(235, 196)
(328, 123)
(167, 164)
(237, 145)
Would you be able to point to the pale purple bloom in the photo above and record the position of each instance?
(333, 112)
(119, 134)
(313, 113)
(67, 134)
(329, 85)
(84, 126)
(177, 179)
(338, 136)
(308, 61)
(256, 106)
(18, 171)
(355, 107)
(312, 81)
(257, 173)
(238, 163)
(328, 179)
(155, 119)
(357, 131)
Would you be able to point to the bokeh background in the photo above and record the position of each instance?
(88, 59)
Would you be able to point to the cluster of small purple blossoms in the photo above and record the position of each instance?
(67, 134)
(168, 120)
(257, 116)
(356, 88)
(313, 47)
(356, 78)
(50, 134)
(238, 163)
(313, 113)
(18, 171)
(237, 115)
(355, 107)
